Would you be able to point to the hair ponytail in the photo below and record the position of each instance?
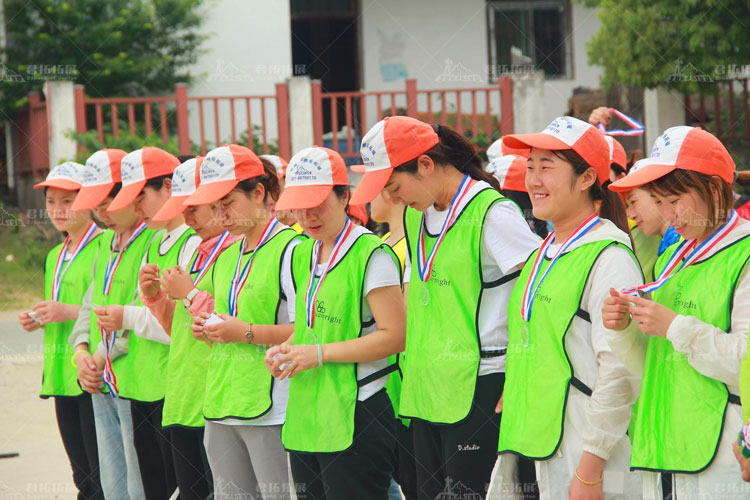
(612, 207)
(454, 150)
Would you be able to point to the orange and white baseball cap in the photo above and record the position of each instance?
(100, 174)
(67, 175)
(510, 171)
(138, 167)
(566, 132)
(310, 178)
(185, 180)
(279, 163)
(358, 169)
(390, 143)
(617, 153)
(500, 148)
(681, 147)
(222, 169)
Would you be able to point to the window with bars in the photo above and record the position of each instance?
(527, 35)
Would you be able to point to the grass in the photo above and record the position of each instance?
(24, 243)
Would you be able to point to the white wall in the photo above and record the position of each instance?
(248, 52)
(584, 24)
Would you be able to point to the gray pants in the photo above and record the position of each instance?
(247, 462)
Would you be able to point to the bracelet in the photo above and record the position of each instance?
(588, 483)
(75, 354)
(320, 354)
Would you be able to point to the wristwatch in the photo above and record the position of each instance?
(190, 296)
(249, 335)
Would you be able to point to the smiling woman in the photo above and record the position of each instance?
(699, 324)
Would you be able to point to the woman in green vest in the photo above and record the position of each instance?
(182, 417)
(103, 362)
(146, 179)
(245, 312)
(348, 320)
(568, 398)
(67, 274)
(686, 332)
(465, 245)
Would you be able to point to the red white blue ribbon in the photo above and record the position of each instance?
(60, 268)
(313, 286)
(530, 291)
(685, 255)
(239, 278)
(210, 259)
(425, 262)
(637, 127)
(108, 375)
(113, 265)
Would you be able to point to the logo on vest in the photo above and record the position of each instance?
(542, 298)
(468, 447)
(437, 280)
(320, 312)
(685, 304)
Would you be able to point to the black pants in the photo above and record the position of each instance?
(364, 470)
(405, 472)
(458, 459)
(154, 450)
(75, 419)
(190, 463)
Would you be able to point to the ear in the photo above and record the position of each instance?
(588, 179)
(259, 192)
(425, 165)
(167, 184)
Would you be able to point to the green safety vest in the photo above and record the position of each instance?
(442, 354)
(124, 291)
(187, 365)
(679, 418)
(238, 384)
(539, 375)
(322, 400)
(59, 376)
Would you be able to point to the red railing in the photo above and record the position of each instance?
(139, 113)
(726, 114)
(348, 111)
(33, 138)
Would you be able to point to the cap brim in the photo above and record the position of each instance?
(301, 197)
(59, 183)
(644, 175)
(540, 141)
(171, 209)
(90, 197)
(371, 184)
(210, 193)
(126, 196)
(358, 169)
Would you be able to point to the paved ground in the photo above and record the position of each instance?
(27, 422)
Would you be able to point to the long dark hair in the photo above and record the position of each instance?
(455, 150)
(612, 207)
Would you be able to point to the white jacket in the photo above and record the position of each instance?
(713, 353)
(595, 424)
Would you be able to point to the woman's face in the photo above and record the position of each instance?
(418, 190)
(553, 188)
(687, 213)
(150, 201)
(119, 221)
(380, 207)
(239, 211)
(58, 202)
(642, 208)
(204, 219)
(324, 221)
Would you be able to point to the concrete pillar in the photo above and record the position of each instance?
(528, 102)
(300, 113)
(662, 109)
(61, 115)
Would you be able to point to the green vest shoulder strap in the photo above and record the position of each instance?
(443, 349)
(685, 398)
(320, 414)
(534, 406)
